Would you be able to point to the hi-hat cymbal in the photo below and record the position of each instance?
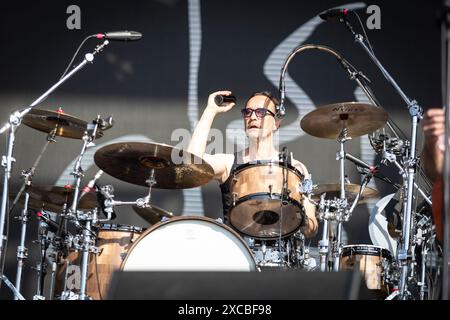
(61, 124)
(351, 191)
(133, 162)
(152, 214)
(52, 198)
(329, 121)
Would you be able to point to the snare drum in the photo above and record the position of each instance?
(113, 242)
(372, 261)
(259, 209)
(189, 243)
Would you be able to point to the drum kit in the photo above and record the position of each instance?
(265, 219)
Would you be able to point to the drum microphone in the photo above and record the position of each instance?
(105, 124)
(120, 35)
(91, 184)
(221, 99)
(52, 225)
(334, 14)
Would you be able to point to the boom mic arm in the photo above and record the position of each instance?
(281, 109)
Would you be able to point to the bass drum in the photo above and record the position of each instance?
(189, 243)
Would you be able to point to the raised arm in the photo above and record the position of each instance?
(197, 145)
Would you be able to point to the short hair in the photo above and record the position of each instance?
(267, 94)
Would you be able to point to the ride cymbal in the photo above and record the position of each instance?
(329, 121)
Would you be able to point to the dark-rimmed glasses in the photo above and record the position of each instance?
(260, 112)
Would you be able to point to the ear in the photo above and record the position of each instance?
(277, 124)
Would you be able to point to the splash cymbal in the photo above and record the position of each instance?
(152, 214)
(173, 168)
(358, 118)
(57, 122)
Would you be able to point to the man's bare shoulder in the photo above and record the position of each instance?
(221, 163)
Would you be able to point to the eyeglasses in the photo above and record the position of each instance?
(260, 112)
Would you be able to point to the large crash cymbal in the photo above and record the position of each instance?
(329, 121)
(52, 198)
(333, 190)
(57, 122)
(173, 168)
(152, 214)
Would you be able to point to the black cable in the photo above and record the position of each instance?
(364, 30)
(76, 53)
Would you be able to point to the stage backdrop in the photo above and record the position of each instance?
(156, 88)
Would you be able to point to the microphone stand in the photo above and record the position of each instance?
(13, 123)
(416, 113)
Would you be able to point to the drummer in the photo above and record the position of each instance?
(260, 127)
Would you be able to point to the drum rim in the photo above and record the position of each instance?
(274, 196)
(119, 227)
(258, 163)
(182, 218)
(385, 253)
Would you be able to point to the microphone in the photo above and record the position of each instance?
(120, 35)
(105, 124)
(91, 184)
(52, 225)
(221, 99)
(334, 14)
(361, 163)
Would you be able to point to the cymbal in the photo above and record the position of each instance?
(152, 214)
(359, 118)
(62, 124)
(173, 168)
(351, 191)
(52, 198)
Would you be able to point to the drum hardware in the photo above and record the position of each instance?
(89, 136)
(342, 121)
(11, 126)
(41, 268)
(416, 113)
(22, 251)
(112, 242)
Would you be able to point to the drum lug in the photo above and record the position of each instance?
(234, 198)
(270, 190)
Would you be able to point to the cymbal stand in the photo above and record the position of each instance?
(324, 215)
(87, 246)
(88, 141)
(41, 268)
(410, 164)
(342, 211)
(22, 251)
(28, 174)
(11, 126)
